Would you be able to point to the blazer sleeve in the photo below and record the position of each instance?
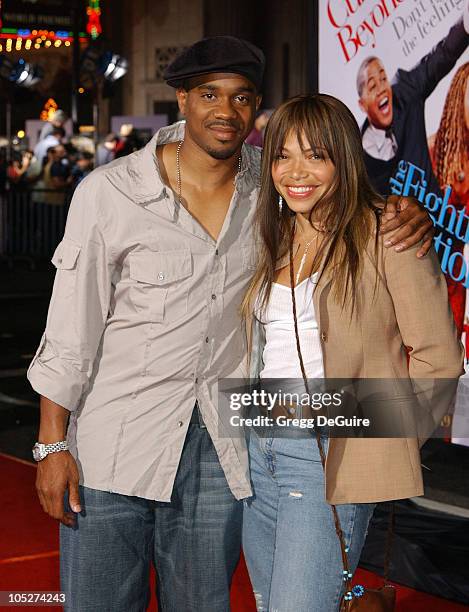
(420, 296)
(421, 80)
(80, 302)
(436, 355)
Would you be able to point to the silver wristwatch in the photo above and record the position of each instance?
(40, 451)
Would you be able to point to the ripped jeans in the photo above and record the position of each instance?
(289, 540)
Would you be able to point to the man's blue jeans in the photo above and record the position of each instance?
(289, 540)
(194, 542)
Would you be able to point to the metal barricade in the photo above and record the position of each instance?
(32, 223)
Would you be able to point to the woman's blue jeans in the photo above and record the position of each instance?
(289, 540)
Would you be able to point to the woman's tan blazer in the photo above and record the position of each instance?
(406, 310)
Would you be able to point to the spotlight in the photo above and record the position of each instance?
(112, 66)
(25, 74)
(97, 64)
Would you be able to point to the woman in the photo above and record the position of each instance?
(449, 151)
(353, 309)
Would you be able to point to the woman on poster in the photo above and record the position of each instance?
(449, 151)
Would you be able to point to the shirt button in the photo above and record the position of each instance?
(196, 380)
(323, 336)
(59, 260)
(161, 276)
(180, 423)
(207, 339)
(214, 297)
(216, 252)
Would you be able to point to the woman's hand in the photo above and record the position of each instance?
(412, 221)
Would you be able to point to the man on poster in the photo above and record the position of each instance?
(143, 321)
(395, 125)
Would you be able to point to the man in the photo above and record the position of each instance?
(54, 139)
(106, 151)
(395, 125)
(59, 119)
(82, 167)
(143, 321)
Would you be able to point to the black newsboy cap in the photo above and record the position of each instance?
(217, 54)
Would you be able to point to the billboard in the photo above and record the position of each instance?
(402, 67)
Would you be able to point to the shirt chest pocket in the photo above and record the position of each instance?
(159, 283)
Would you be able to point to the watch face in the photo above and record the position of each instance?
(39, 452)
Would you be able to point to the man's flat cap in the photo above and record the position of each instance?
(217, 54)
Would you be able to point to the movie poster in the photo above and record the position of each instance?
(402, 67)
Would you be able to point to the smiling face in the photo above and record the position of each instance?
(219, 110)
(302, 175)
(376, 95)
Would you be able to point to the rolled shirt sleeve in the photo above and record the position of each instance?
(79, 305)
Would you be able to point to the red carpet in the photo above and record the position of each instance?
(29, 549)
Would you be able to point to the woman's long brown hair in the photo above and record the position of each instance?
(320, 122)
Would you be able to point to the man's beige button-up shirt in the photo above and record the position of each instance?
(143, 321)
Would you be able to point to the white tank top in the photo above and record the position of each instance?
(280, 353)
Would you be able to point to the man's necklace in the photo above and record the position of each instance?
(178, 170)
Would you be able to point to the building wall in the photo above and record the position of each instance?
(152, 30)
(281, 28)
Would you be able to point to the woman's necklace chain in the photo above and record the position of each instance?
(178, 170)
(302, 261)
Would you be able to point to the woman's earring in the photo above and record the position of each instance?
(280, 205)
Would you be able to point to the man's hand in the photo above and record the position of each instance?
(56, 473)
(412, 222)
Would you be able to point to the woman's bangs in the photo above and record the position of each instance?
(312, 125)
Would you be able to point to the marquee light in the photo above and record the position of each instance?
(38, 39)
(93, 27)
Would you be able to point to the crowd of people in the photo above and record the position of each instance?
(56, 166)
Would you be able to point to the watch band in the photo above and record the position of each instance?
(55, 447)
(40, 450)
